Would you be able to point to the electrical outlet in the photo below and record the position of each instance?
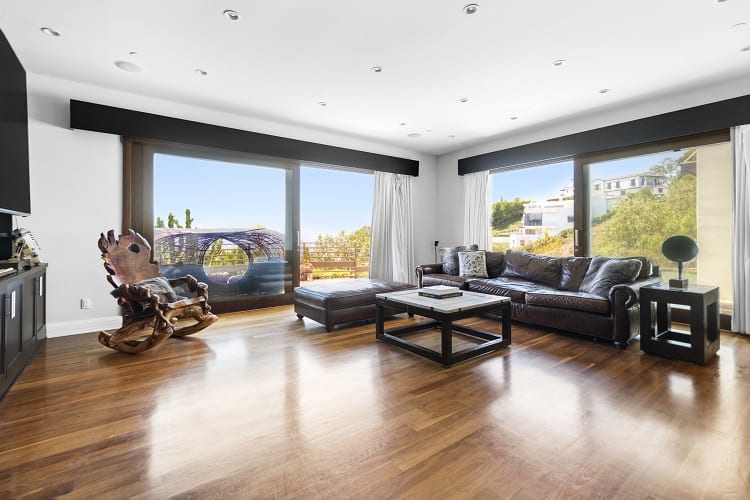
(86, 303)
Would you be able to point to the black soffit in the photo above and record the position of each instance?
(703, 119)
(129, 123)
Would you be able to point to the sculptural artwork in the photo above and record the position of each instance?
(152, 305)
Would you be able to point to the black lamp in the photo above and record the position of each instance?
(679, 249)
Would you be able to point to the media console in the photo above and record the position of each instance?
(23, 326)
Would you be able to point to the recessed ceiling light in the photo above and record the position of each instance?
(133, 53)
(604, 91)
(322, 103)
(451, 137)
(719, 1)
(558, 63)
(471, 8)
(514, 118)
(403, 124)
(428, 130)
(128, 66)
(377, 69)
(201, 71)
(414, 135)
(745, 49)
(232, 15)
(464, 99)
(50, 32)
(739, 25)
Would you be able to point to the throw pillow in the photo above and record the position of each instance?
(472, 264)
(604, 273)
(449, 257)
(646, 267)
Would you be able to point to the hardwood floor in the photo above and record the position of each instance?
(262, 405)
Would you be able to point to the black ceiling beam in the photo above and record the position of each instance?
(683, 123)
(126, 122)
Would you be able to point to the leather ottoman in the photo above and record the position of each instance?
(343, 301)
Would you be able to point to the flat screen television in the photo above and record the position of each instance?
(15, 197)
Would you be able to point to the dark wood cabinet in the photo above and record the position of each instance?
(23, 322)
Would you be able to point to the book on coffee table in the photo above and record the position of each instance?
(440, 292)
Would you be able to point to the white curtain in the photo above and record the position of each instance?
(392, 245)
(740, 233)
(477, 210)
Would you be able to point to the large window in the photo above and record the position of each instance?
(683, 191)
(251, 227)
(335, 214)
(532, 209)
(625, 203)
(224, 223)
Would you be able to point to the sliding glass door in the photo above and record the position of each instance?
(229, 219)
(635, 202)
(335, 215)
(226, 223)
(625, 203)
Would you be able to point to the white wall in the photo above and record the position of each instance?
(449, 212)
(76, 191)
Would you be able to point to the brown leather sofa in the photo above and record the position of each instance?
(595, 296)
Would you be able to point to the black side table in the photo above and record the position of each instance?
(697, 345)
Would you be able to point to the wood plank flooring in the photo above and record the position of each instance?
(262, 405)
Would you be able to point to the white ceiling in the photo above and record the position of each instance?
(283, 57)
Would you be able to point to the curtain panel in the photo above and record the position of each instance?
(740, 232)
(477, 209)
(392, 245)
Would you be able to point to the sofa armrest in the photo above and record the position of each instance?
(624, 300)
(423, 269)
(627, 295)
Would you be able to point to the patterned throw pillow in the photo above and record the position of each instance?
(449, 257)
(472, 264)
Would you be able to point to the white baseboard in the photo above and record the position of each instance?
(64, 328)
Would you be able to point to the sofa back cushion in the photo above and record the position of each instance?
(539, 268)
(573, 271)
(605, 272)
(449, 257)
(495, 263)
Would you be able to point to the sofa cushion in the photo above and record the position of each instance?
(444, 279)
(604, 273)
(577, 301)
(540, 268)
(472, 264)
(515, 288)
(573, 270)
(495, 263)
(449, 257)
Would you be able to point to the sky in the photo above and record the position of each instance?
(540, 183)
(231, 195)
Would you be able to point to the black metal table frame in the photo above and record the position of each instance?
(444, 320)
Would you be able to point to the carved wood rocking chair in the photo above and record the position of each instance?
(149, 300)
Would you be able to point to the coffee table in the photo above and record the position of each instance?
(443, 313)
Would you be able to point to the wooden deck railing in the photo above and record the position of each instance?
(334, 261)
